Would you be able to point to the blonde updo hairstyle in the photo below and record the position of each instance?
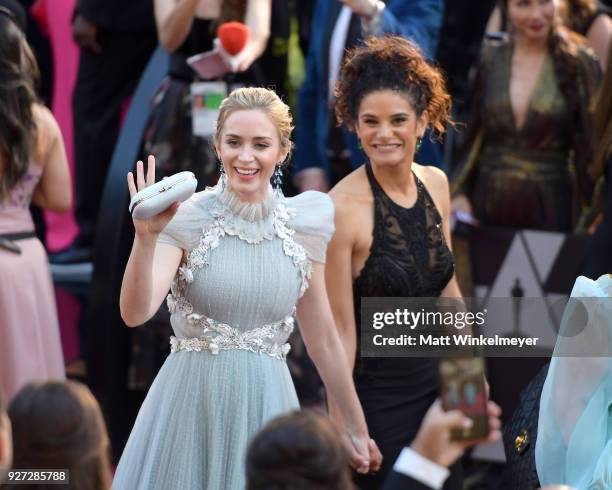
(265, 100)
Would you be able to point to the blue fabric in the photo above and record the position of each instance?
(204, 407)
(574, 443)
(417, 20)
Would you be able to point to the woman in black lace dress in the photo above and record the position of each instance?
(392, 230)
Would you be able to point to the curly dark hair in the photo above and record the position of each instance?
(18, 74)
(391, 63)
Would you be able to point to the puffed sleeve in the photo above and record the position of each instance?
(313, 222)
(185, 229)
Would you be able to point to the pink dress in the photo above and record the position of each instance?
(30, 346)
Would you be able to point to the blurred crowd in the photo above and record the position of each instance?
(58, 425)
(532, 86)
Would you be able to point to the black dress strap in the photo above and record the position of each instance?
(381, 197)
(376, 189)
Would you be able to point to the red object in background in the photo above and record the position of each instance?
(233, 37)
(39, 12)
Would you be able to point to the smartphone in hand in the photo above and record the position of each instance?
(209, 65)
(463, 388)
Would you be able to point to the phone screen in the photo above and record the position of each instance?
(463, 388)
(208, 65)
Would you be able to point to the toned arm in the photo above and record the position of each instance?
(54, 190)
(147, 279)
(326, 351)
(174, 20)
(151, 266)
(338, 275)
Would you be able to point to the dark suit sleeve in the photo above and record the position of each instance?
(418, 20)
(399, 481)
(306, 141)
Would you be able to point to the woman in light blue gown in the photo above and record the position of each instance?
(240, 261)
(574, 443)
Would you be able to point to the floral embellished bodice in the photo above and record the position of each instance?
(244, 268)
(15, 208)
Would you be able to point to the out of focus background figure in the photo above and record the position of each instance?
(33, 168)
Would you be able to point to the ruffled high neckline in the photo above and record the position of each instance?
(247, 211)
(249, 221)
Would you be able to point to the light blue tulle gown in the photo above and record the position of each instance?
(574, 444)
(232, 305)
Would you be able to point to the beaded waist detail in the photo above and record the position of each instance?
(268, 339)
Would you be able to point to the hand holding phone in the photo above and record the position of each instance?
(464, 389)
(232, 37)
(432, 440)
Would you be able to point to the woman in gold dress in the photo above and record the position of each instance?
(530, 136)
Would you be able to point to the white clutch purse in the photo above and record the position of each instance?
(158, 197)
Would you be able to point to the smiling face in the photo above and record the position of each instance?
(249, 148)
(388, 127)
(531, 19)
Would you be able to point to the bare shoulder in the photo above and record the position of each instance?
(352, 198)
(601, 25)
(436, 183)
(434, 179)
(47, 129)
(352, 190)
(44, 119)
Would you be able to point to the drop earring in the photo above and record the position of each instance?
(419, 143)
(222, 183)
(278, 181)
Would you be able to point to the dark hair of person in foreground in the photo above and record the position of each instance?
(59, 425)
(298, 451)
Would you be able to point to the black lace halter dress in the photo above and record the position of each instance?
(409, 257)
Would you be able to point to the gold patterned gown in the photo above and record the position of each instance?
(523, 177)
